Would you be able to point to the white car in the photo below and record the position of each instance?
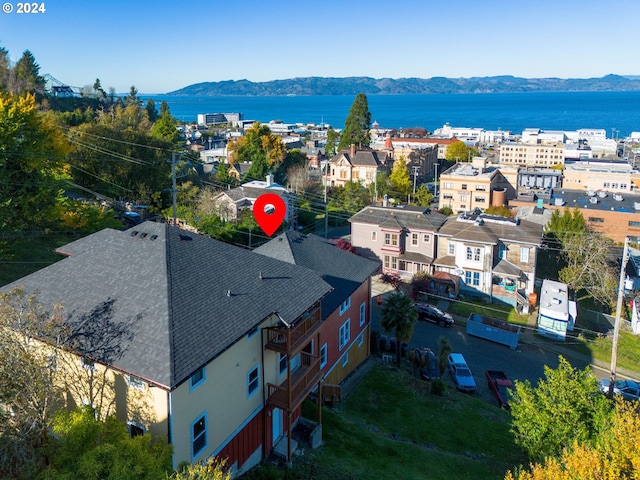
(462, 376)
(629, 389)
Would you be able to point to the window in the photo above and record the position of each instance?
(606, 185)
(374, 236)
(426, 238)
(467, 277)
(345, 360)
(135, 429)
(88, 364)
(463, 197)
(360, 339)
(469, 253)
(452, 248)
(390, 262)
(596, 220)
(345, 305)
(282, 363)
(476, 254)
(476, 278)
(524, 255)
(198, 435)
(323, 355)
(447, 185)
(135, 382)
(391, 239)
(363, 311)
(480, 199)
(464, 186)
(634, 224)
(502, 251)
(197, 378)
(253, 381)
(414, 239)
(345, 334)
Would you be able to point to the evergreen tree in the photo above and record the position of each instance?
(151, 110)
(5, 71)
(27, 74)
(357, 126)
(333, 139)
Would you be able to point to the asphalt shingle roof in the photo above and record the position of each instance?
(491, 229)
(412, 218)
(168, 290)
(343, 270)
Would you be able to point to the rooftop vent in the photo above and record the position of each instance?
(153, 237)
(134, 233)
(143, 234)
(185, 238)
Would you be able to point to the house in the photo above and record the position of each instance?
(229, 204)
(197, 328)
(356, 166)
(403, 239)
(344, 337)
(420, 154)
(239, 170)
(495, 257)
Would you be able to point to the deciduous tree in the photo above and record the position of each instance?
(566, 406)
(399, 178)
(459, 152)
(259, 146)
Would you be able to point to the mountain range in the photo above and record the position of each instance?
(407, 86)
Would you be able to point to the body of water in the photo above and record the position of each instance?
(616, 112)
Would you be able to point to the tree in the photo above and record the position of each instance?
(259, 146)
(132, 98)
(423, 196)
(443, 352)
(165, 127)
(30, 387)
(32, 150)
(212, 469)
(98, 90)
(459, 152)
(349, 199)
(27, 75)
(357, 126)
(564, 225)
(333, 139)
(616, 454)
(399, 316)
(399, 178)
(566, 406)
(588, 266)
(152, 113)
(5, 70)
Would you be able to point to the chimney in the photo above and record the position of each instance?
(353, 150)
(269, 180)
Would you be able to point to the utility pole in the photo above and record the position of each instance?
(415, 175)
(616, 328)
(326, 205)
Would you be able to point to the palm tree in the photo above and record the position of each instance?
(399, 315)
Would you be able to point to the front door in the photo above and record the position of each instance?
(276, 427)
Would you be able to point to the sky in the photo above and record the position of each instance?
(160, 46)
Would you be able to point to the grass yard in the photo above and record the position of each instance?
(391, 427)
(505, 313)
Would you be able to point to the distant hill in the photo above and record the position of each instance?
(405, 86)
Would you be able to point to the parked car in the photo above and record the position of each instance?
(501, 386)
(462, 376)
(434, 314)
(430, 370)
(629, 389)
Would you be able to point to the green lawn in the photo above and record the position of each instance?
(500, 312)
(391, 427)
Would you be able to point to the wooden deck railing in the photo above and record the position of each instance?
(303, 380)
(284, 340)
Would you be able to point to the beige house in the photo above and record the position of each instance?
(185, 338)
(403, 239)
(467, 186)
(495, 257)
(420, 154)
(356, 166)
(532, 154)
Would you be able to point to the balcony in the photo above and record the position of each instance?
(289, 341)
(303, 380)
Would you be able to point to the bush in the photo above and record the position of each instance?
(438, 386)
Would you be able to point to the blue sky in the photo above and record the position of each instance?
(160, 46)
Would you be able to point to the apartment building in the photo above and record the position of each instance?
(601, 176)
(532, 154)
(467, 186)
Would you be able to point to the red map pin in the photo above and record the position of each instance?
(269, 210)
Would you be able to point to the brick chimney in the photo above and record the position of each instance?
(353, 150)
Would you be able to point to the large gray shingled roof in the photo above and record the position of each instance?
(179, 299)
(343, 270)
(412, 218)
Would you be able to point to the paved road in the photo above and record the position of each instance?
(525, 363)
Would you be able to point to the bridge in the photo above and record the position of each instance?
(55, 87)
